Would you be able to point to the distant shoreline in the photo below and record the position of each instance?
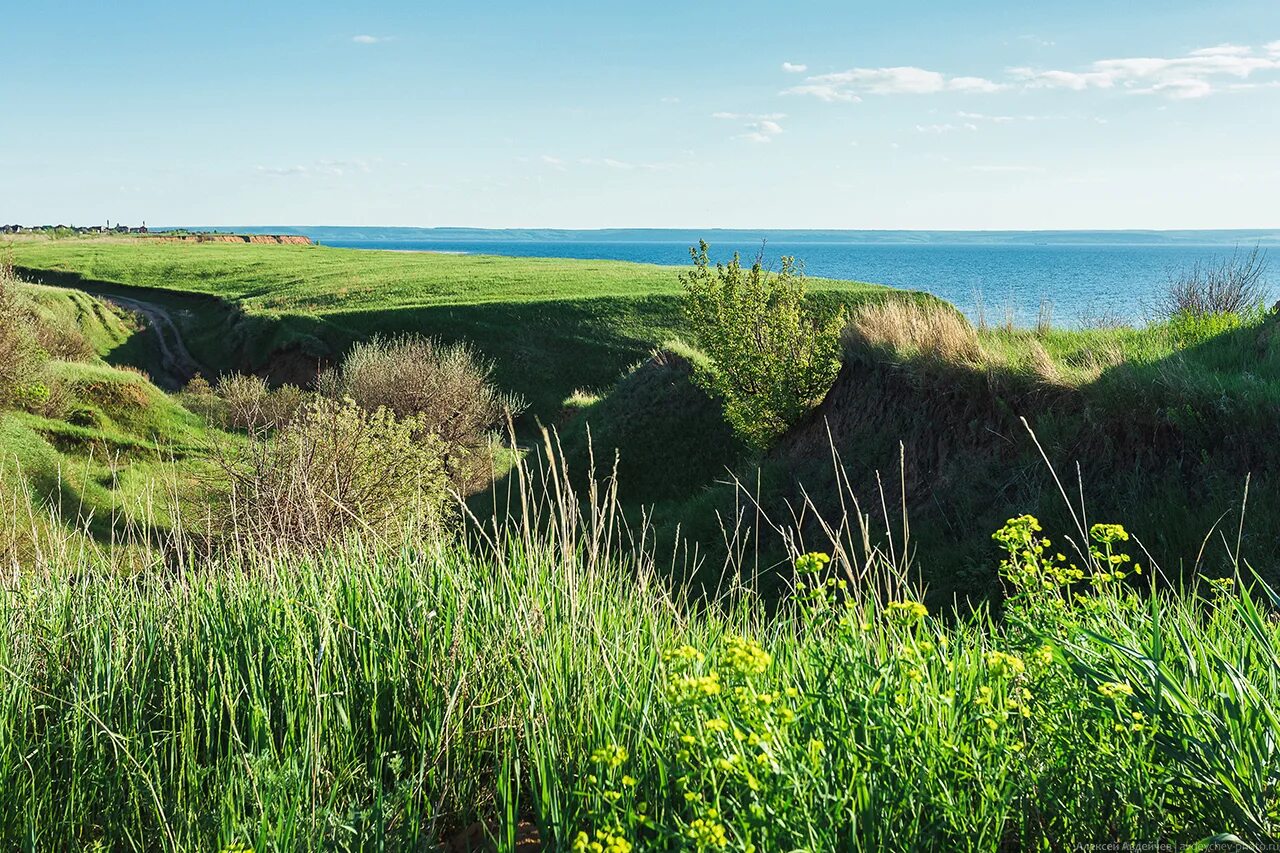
(1267, 237)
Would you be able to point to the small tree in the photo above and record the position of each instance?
(773, 353)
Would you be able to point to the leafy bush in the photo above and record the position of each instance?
(247, 402)
(446, 388)
(198, 396)
(773, 353)
(1231, 285)
(332, 471)
(66, 343)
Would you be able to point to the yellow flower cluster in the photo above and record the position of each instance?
(745, 657)
(692, 687)
(686, 655)
(907, 611)
(1002, 664)
(1115, 689)
(612, 755)
(1030, 566)
(812, 562)
(1108, 534)
(708, 833)
(609, 840)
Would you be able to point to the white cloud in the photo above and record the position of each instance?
(670, 100)
(750, 116)
(1196, 75)
(321, 168)
(849, 86)
(985, 117)
(367, 39)
(973, 84)
(945, 128)
(1222, 50)
(623, 165)
(1008, 169)
(760, 127)
(794, 68)
(553, 162)
(762, 131)
(283, 171)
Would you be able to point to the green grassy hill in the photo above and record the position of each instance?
(107, 443)
(552, 326)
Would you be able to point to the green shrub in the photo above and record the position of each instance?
(333, 471)
(246, 402)
(773, 353)
(448, 390)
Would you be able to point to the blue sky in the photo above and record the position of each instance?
(912, 114)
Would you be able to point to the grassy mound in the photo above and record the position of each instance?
(668, 438)
(105, 446)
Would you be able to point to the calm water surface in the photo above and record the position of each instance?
(1078, 282)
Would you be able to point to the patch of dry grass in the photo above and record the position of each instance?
(936, 332)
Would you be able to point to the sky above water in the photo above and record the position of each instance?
(927, 115)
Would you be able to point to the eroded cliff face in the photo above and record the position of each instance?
(278, 239)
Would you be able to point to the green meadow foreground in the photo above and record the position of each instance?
(352, 616)
(540, 691)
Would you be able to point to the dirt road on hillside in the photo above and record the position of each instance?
(176, 361)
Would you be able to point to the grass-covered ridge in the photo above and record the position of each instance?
(551, 325)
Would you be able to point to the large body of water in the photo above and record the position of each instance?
(1082, 275)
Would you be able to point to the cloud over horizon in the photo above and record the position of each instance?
(1197, 74)
(849, 86)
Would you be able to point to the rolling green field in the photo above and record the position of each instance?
(551, 326)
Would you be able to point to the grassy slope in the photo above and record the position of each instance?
(665, 437)
(1165, 424)
(117, 437)
(552, 326)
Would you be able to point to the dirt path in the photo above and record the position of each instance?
(177, 362)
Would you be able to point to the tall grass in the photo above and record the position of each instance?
(541, 680)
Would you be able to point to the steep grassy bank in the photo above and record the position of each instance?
(552, 326)
(100, 443)
(1161, 425)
